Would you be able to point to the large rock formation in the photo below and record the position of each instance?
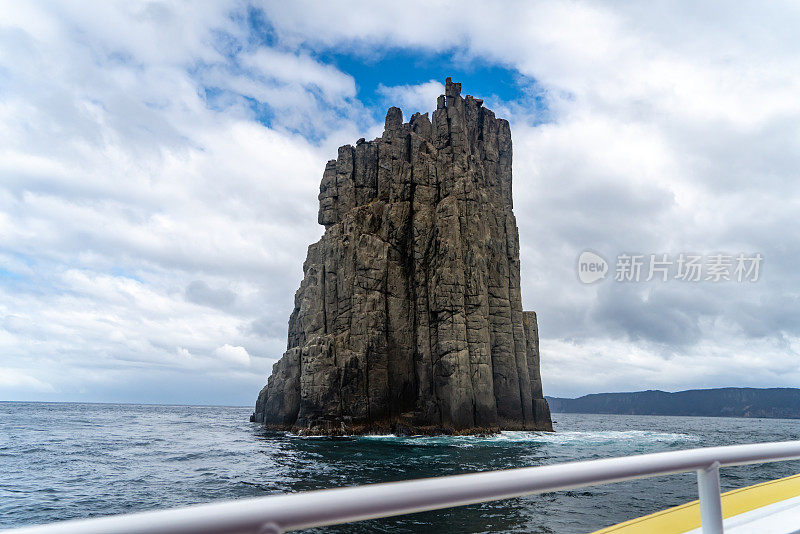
(409, 317)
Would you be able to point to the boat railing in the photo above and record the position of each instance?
(294, 511)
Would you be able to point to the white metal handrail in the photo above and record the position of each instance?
(281, 513)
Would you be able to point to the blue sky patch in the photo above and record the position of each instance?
(498, 84)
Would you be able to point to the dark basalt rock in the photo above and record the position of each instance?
(409, 317)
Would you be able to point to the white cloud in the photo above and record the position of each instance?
(302, 70)
(675, 128)
(120, 186)
(420, 98)
(132, 167)
(14, 381)
(237, 355)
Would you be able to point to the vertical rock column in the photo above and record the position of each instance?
(409, 317)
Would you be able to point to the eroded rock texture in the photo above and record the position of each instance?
(409, 317)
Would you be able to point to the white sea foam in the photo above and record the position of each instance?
(610, 437)
(607, 436)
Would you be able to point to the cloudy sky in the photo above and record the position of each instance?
(160, 164)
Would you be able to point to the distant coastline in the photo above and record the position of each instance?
(772, 403)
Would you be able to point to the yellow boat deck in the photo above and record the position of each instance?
(686, 517)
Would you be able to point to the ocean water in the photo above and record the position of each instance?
(61, 461)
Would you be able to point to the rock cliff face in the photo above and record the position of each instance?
(409, 317)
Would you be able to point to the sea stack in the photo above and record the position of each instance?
(409, 316)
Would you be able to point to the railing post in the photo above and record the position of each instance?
(710, 502)
(270, 528)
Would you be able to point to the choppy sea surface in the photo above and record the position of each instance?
(61, 461)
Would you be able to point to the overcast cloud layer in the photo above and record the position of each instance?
(160, 164)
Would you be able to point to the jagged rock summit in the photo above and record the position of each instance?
(409, 316)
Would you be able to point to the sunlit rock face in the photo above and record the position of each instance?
(409, 317)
